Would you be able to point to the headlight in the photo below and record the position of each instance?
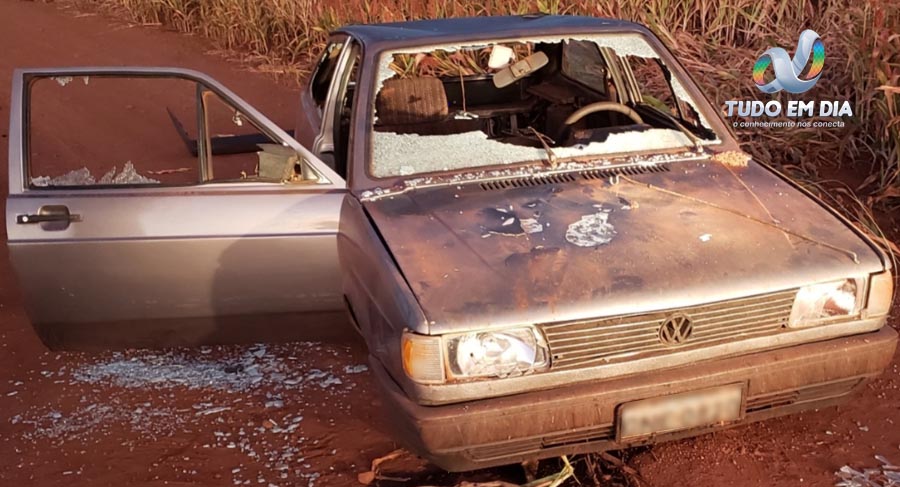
(505, 353)
(822, 302)
(496, 354)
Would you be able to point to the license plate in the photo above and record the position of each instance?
(680, 411)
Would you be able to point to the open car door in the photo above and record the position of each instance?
(127, 210)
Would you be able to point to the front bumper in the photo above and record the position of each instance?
(581, 418)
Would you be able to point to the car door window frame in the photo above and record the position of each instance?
(342, 85)
(324, 141)
(339, 42)
(19, 170)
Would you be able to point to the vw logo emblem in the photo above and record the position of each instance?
(676, 330)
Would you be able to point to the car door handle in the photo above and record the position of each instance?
(52, 217)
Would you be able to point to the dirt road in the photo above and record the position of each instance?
(299, 413)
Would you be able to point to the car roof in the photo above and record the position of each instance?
(459, 29)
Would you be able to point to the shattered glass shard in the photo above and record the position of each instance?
(531, 225)
(108, 177)
(130, 176)
(83, 177)
(77, 177)
(591, 230)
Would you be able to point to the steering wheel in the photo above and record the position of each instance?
(603, 106)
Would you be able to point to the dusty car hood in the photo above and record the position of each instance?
(469, 258)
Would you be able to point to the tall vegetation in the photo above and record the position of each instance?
(718, 41)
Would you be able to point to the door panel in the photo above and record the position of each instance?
(138, 252)
(178, 256)
(201, 277)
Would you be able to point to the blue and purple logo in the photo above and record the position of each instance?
(789, 71)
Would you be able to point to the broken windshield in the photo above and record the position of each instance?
(447, 108)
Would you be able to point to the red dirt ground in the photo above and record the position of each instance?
(298, 413)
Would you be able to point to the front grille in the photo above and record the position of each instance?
(595, 342)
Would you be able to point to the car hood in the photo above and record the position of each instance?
(578, 247)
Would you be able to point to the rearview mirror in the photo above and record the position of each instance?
(520, 69)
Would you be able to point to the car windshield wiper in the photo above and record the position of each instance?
(551, 156)
(698, 144)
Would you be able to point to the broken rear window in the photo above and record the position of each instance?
(449, 108)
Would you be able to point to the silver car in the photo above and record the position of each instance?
(548, 238)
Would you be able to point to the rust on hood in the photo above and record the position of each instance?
(478, 258)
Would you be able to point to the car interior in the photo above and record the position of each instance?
(543, 94)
